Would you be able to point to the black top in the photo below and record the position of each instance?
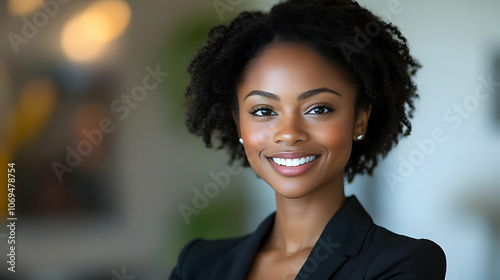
(350, 247)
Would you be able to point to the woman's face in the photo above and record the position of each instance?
(297, 119)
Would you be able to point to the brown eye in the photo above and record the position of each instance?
(320, 110)
(263, 112)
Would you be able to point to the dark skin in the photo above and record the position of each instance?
(293, 104)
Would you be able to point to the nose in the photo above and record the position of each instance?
(290, 130)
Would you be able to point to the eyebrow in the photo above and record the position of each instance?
(301, 96)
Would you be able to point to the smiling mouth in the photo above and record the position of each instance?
(293, 166)
(293, 162)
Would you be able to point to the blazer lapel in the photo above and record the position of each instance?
(236, 264)
(342, 237)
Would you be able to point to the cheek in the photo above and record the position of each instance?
(256, 136)
(335, 135)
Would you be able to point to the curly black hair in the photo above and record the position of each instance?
(372, 51)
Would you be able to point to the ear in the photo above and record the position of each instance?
(237, 123)
(361, 124)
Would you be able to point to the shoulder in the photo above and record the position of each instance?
(400, 257)
(199, 257)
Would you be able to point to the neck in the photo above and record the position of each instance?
(299, 222)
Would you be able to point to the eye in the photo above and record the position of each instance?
(262, 112)
(320, 110)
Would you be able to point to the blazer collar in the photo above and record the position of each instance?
(237, 262)
(342, 237)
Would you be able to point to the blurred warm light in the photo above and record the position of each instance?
(24, 7)
(84, 38)
(37, 100)
(25, 121)
(116, 12)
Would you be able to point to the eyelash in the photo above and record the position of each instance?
(261, 108)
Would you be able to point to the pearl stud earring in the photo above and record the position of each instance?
(241, 140)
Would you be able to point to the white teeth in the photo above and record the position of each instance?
(293, 162)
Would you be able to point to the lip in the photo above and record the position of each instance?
(292, 170)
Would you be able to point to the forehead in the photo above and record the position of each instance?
(296, 68)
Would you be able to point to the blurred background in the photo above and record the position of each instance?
(109, 184)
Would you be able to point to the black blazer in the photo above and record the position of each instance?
(350, 247)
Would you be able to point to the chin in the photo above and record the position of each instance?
(292, 190)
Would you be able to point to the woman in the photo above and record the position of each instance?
(307, 94)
